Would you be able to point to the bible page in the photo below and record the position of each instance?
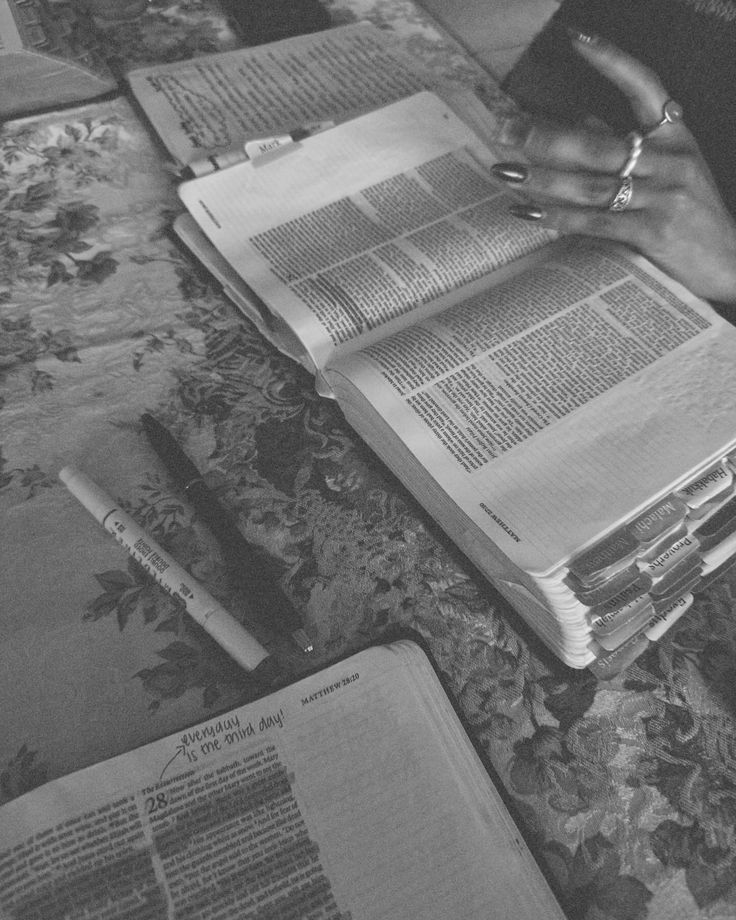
(546, 411)
(367, 224)
(206, 108)
(353, 795)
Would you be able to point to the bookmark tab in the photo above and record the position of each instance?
(673, 556)
(707, 487)
(608, 664)
(681, 579)
(711, 575)
(259, 147)
(600, 593)
(664, 543)
(617, 550)
(658, 520)
(717, 527)
(611, 641)
(608, 619)
(661, 621)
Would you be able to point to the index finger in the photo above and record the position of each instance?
(639, 83)
(561, 147)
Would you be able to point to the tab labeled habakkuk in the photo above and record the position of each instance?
(708, 486)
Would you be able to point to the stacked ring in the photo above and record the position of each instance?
(636, 142)
(624, 193)
(622, 198)
(671, 112)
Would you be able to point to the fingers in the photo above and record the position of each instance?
(657, 197)
(586, 190)
(630, 228)
(639, 83)
(594, 151)
(548, 145)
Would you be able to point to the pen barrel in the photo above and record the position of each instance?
(256, 574)
(175, 579)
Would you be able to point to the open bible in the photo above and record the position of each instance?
(559, 406)
(354, 794)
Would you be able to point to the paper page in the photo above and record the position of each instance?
(554, 406)
(10, 37)
(354, 795)
(206, 108)
(268, 324)
(364, 224)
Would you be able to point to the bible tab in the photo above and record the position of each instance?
(662, 518)
(613, 552)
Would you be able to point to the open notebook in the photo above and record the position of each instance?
(354, 794)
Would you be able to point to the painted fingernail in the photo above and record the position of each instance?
(526, 211)
(513, 173)
(583, 37)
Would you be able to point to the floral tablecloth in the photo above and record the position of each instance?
(626, 788)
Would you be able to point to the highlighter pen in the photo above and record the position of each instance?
(258, 579)
(204, 609)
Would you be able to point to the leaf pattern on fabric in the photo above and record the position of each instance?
(626, 786)
(592, 885)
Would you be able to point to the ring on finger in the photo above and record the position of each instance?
(671, 112)
(636, 143)
(624, 193)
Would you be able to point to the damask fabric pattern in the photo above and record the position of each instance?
(626, 788)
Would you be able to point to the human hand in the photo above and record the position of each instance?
(675, 216)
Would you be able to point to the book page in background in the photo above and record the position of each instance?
(353, 794)
(364, 224)
(554, 406)
(206, 108)
(10, 38)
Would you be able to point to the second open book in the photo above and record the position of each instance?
(560, 407)
(353, 794)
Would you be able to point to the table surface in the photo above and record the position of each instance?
(627, 788)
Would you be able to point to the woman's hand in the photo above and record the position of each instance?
(675, 215)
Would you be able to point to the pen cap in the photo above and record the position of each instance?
(94, 499)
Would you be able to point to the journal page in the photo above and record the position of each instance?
(353, 795)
